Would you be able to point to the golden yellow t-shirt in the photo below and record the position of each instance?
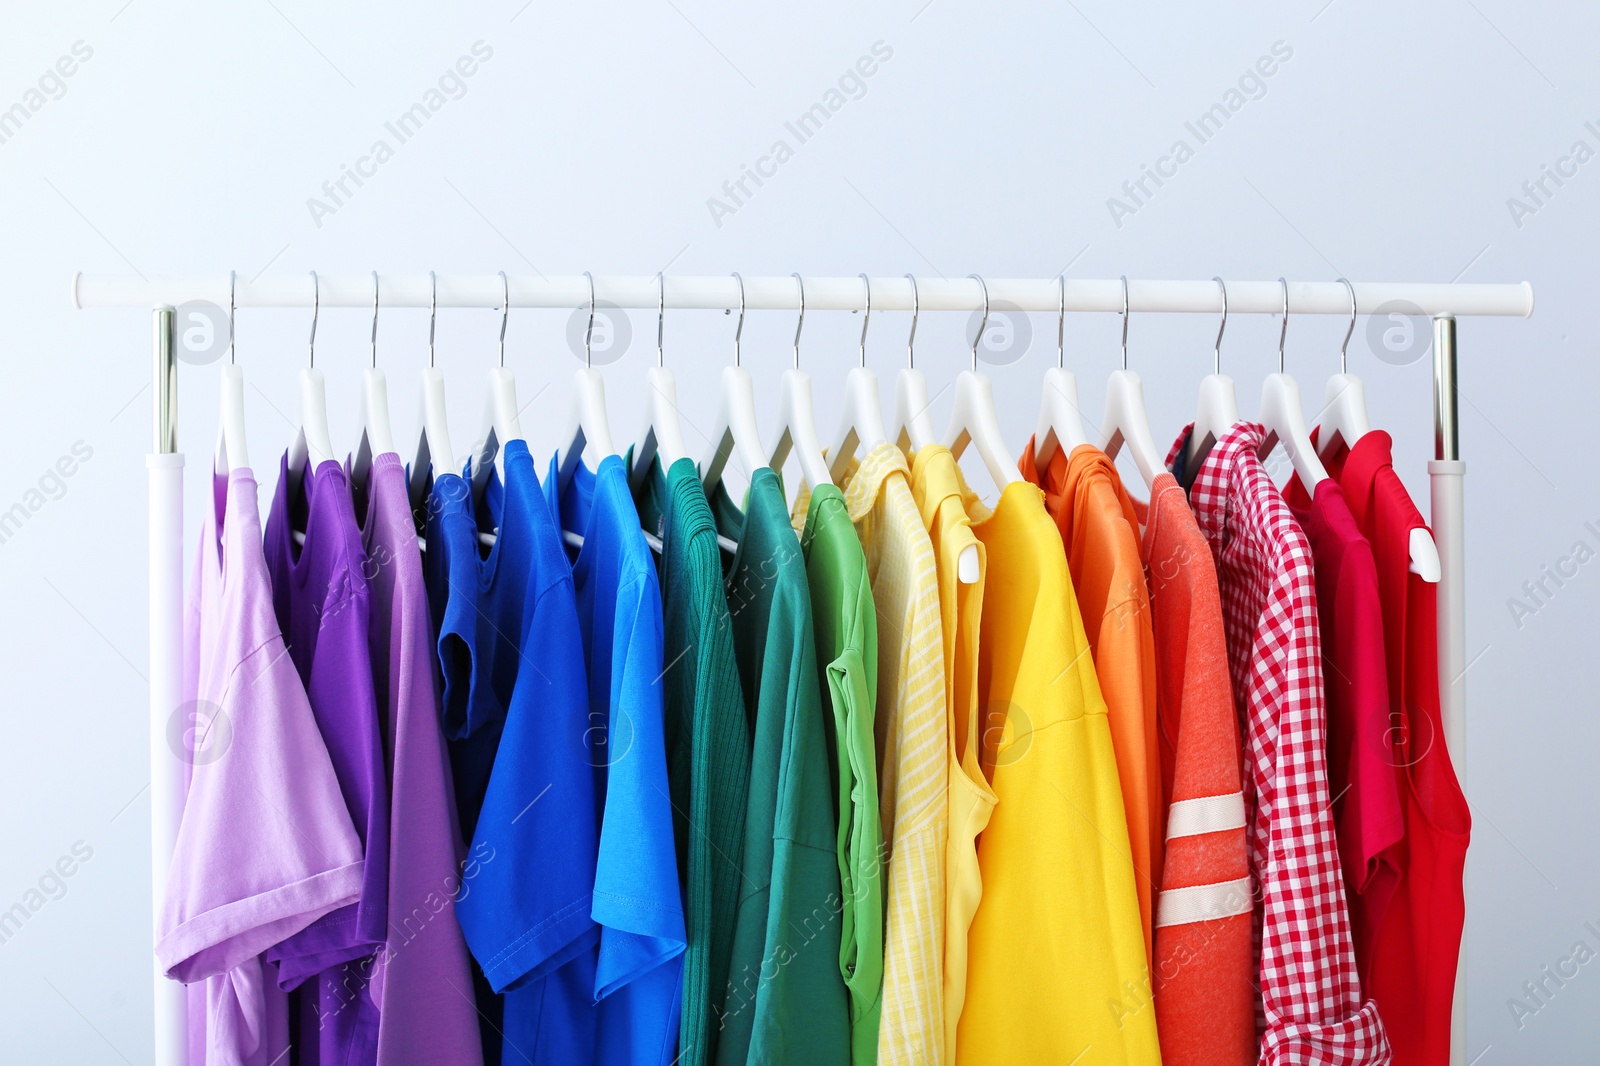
(1058, 944)
(936, 486)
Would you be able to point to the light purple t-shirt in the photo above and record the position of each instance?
(321, 596)
(265, 846)
(421, 980)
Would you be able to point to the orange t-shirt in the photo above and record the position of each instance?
(1085, 497)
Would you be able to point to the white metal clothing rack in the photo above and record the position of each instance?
(1443, 302)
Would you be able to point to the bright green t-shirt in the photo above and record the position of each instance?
(846, 629)
(786, 1001)
(707, 741)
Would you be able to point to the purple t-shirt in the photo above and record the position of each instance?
(321, 597)
(421, 981)
(266, 846)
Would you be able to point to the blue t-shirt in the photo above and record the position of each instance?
(637, 898)
(516, 711)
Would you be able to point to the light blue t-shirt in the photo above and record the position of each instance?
(517, 712)
(637, 899)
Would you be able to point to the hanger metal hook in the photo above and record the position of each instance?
(316, 303)
(739, 331)
(232, 357)
(1061, 324)
(661, 317)
(505, 313)
(865, 318)
(1216, 349)
(588, 332)
(912, 337)
(801, 321)
(1124, 321)
(983, 324)
(1283, 330)
(433, 312)
(374, 320)
(1344, 360)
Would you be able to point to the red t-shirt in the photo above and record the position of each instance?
(1413, 965)
(1361, 764)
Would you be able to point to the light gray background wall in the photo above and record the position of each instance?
(1384, 148)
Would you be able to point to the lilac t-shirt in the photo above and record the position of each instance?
(421, 981)
(265, 846)
(323, 605)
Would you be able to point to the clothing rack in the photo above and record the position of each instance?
(1442, 302)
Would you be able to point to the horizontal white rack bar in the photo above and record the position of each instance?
(821, 294)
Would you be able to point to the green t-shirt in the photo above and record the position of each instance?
(707, 741)
(847, 649)
(786, 1001)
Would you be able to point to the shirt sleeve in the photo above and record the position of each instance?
(528, 911)
(266, 845)
(636, 896)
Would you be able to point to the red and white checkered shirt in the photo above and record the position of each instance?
(1311, 1010)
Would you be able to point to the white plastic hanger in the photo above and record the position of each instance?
(433, 435)
(1219, 405)
(1125, 421)
(1285, 420)
(973, 418)
(588, 426)
(499, 408)
(913, 424)
(1060, 423)
(661, 434)
(231, 451)
(375, 438)
(735, 424)
(797, 423)
(311, 446)
(861, 424)
(1344, 418)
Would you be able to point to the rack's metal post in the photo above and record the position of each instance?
(165, 465)
(1449, 521)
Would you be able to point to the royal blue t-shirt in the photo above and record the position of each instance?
(516, 711)
(637, 898)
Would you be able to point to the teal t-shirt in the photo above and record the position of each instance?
(785, 999)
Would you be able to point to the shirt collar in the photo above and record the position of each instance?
(1374, 451)
(1209, 495)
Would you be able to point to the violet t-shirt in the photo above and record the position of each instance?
(265, 846)
(421, 981)
(322, 602)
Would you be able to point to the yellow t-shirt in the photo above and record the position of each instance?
(1057, 949)
(936, 486)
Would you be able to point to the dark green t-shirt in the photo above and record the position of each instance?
(786, 1000)
(847, 652)
(707, 741)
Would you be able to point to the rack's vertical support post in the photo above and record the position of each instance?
(1449, 522)
(165, 466)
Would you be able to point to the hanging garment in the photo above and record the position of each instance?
(422, 982)
(1361, 763)
(265, 846)
(913, 753)
(1269, 610)
(1204, 970)
(637, 901)
(707, 741)
(845, 623)
(1056, 966)
(320, 593)
(1099, 530)
(1412, 970)
(785, 999)
(936, 488)
(528, 884)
